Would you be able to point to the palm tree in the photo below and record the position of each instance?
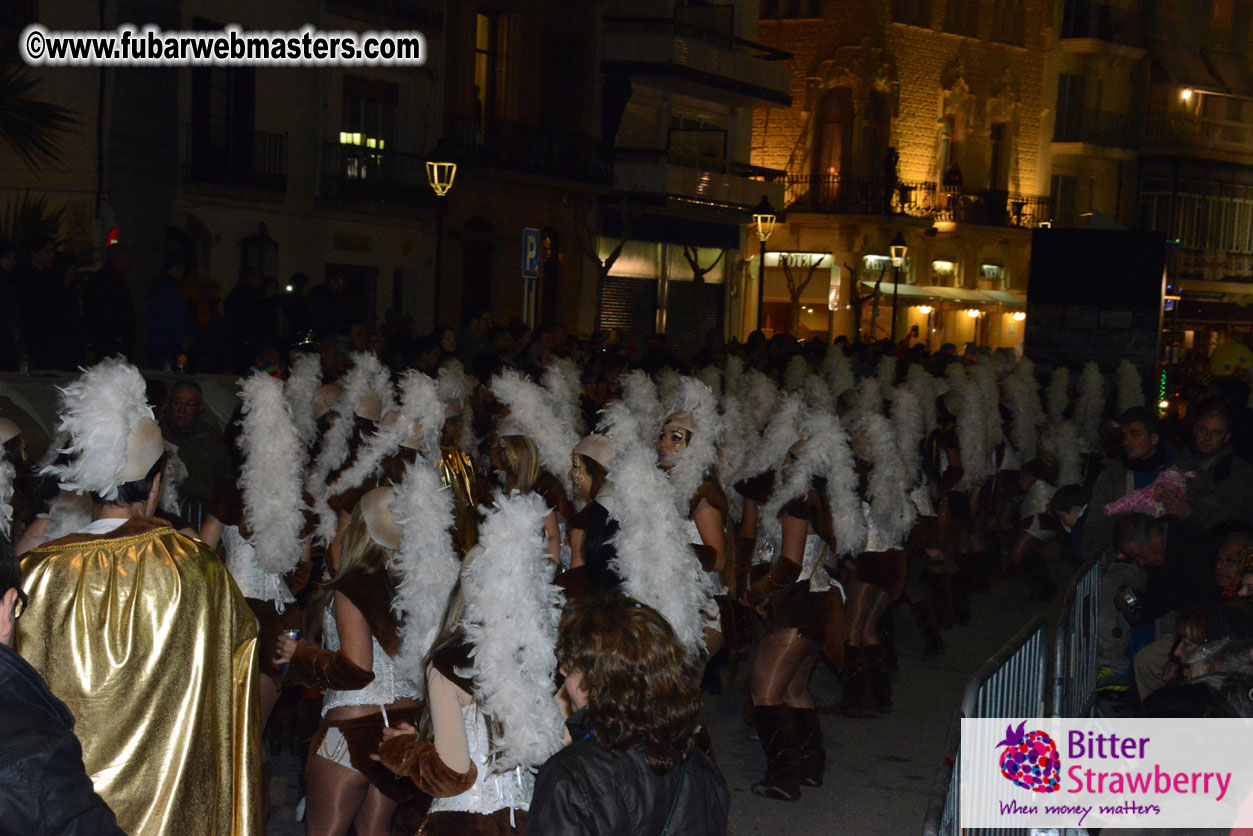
(29, 126)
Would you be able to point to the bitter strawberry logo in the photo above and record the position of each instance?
(1030, 759)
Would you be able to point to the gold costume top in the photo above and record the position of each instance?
(146, 638)
(456, 472)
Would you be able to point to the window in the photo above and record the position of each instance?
(368, 124)
(489, 61)
(1063, 189)
(790, 9)
(961, 17)
(1070, 93)
(696, 137)
(998, 160)
(835, 133)
(223, 115)
(912, 12)
(1009, 22)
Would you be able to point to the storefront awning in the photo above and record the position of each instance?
(936, 293)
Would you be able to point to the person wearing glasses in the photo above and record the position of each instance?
(44, 787)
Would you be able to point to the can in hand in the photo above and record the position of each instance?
(294, 635)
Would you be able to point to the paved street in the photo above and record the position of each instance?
(879, 771)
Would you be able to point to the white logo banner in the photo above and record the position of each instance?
(1097, 773)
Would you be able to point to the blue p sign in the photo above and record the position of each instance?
(530, 253)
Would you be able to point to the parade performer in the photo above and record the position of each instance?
(142, 633)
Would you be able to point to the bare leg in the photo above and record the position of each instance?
(335, 794)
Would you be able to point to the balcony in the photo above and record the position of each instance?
(1094, 127)
(833, 194)
(712, 183)
(354, 174)
(256, 166)
(1183, 134)
(695, 59)
(1100, 24)
(528, 149)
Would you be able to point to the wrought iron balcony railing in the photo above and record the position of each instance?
(528, 149)
(258, 165)
(875, 196)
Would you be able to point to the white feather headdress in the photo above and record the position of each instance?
(972, 436)
(1089, 406)
(301, 386)
(698, 402)
(983, 375)
(826, 453)
(795, 373)
(711, 377)
(889, 484)
(1130, 387)
(653, 558)
(561, 379)
(420, 403)
(907, 420)
(780, 434)
(920, 382)
(270, 480)
(838, 371)
(98, 412)
(531, 410)
(667, 386)
(1058, 394)
(1023, 393)
(885, 372)
(455, 386)
(425, 564)
(510, 617)
(761, 398)
(734, 373)
(818, 394)
(7, 474)
(639, 393)
(360, 380)
(737, 439)
(173, 475)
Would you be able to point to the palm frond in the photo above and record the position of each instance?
(30, 126)
(28, 218)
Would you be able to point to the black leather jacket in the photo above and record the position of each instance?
(44, 788)
(584, 789)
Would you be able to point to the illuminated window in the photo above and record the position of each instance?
(368, 125)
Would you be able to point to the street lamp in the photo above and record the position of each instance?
(440, 175)
(764, 219)
(898, 248)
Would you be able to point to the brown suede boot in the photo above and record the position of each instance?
(941, 584)
(877, 676)
(811, 756)
(932, 638)
(778, 741)
(852, 682)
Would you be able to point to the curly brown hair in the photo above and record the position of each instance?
(641, 688)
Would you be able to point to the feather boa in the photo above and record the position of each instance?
(972, 436)
(270, 481)
(419, 402)
(302, 385)
(511, 614)
(1023, 394)
(838, 371)
(826, 452)
(780, 434)
(734, 375)
(1130, 387)
(7, 473)
(701, 453)
(1057, 396)
(98, 413)
(653, 559)
(425, 565)
(533, 411)
(818, 394)
(733, 451)
(907, 419)
(639, 393)
(711, 377)
(885, 372)
(561, 379)
(891, 510)
(869, 398)
(1089, 406)
(984, 377)
(795, 374)
(172, 475)
(456, 386)
(667, 388)
(955, 375)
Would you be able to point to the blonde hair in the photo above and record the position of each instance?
(522, 459)
(358, 554)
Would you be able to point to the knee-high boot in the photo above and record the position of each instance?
(852, 681)
(924, 618)
(811, 755)
(880, 684)
(941, 584)
(778, 741)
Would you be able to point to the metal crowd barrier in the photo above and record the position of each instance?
(1074, 645)
(1011, 683)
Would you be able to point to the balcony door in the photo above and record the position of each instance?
(220, 143)
(833, 143)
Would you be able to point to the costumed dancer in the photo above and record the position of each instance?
(590, 532)
(13, 502)
(814, 515)
(355, 615)
(533, 445)
(457, 443)
(141, 631)
(491, 718)
(944, 472)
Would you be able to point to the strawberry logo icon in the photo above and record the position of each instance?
(1030, 759)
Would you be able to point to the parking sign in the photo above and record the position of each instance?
(530, 253)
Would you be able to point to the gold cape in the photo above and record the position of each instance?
(145, 636)
(457, 474)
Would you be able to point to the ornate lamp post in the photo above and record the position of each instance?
(764, 219)
(440, 175)
(898, 248)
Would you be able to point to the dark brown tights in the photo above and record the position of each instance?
(339, 798)
(782, 665)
